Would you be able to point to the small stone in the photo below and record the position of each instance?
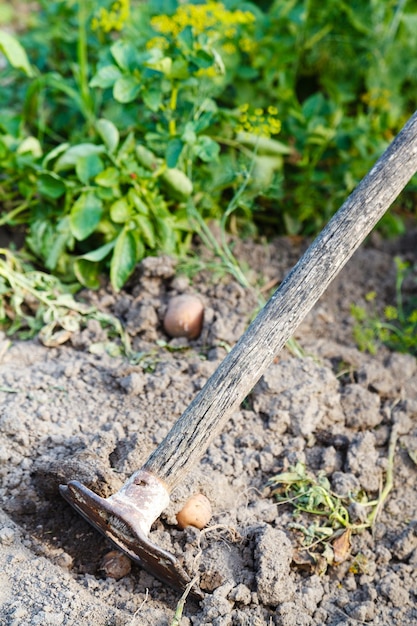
(290, 614)
(241, 594)
(362, 612)
(7, 536)
(64, 560)
(402, 366)
(158, 266)
(133, 383)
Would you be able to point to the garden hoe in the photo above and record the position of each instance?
(127, 516)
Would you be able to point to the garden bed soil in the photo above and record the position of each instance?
(73, 411)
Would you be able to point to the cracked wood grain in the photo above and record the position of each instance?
(207, 414)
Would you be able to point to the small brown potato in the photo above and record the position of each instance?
(184, 317)
(195, 512)
(115, 565)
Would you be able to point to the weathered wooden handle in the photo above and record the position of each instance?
(244, 365)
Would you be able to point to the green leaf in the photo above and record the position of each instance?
(166, 236)
(87, 273)
(263, 145)
(54, 153)
(127, 147)
(177, 184)
(106, 77)
(109, 134)
(85, 215)
(162, 65)
(173, 151)
(137, 202)
(30, 145)
(108, 177)
(70, 157)
(51, 185)
(99, 253)
(147, 230)
(126, 89)
(15, 53)
(57, 242)
(120, 211)
(207, 149)
(124, 54)
(124, 259)
(88, 167)
(153, 99)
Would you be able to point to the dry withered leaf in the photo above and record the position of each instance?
(341, 546)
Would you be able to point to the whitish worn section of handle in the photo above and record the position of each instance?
(241, 369)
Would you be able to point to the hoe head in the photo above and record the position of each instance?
(127, 529)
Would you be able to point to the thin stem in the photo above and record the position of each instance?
(173, 107)
(6, 219)
(233, 144)
(392, 31)
(389, 478)
(82, 55)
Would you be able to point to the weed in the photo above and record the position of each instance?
(35, 302)
(176, 621)
(330, 514)
(398, 327)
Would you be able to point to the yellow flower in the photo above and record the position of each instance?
(229, 47)
(257, 122)
(212, 16)
(391, 313)
(157, 42)
(210, 72)
(113, 19)
(246, 44)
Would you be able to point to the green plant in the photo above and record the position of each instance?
(105, 202)
(396, 328)
(329, 513)
(34, 302)
(125, 112)
(333, 69)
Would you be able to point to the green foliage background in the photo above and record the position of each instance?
(121, 122)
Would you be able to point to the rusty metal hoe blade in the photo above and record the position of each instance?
(126, 517)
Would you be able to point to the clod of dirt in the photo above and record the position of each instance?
(406, 542)
(362, 458)
(361, 407)
(87, 467)
(298, 396)
(273, 555)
